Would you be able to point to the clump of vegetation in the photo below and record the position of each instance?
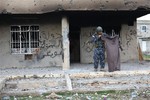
(133, 94)
(146, 57)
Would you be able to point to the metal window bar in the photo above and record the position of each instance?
(34, 36)
(24, 39)
(20, 38)
(29, 40)
(12, 42)
(14, 39)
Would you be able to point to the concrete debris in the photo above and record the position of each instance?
(53, 96)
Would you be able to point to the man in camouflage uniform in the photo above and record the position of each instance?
(99, 50)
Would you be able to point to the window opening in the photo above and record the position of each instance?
(24, 39)
(143, 28)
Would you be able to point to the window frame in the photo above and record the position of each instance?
(30, 49)
(143, 30)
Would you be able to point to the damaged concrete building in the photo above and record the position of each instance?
(39, 33)
(143, 34)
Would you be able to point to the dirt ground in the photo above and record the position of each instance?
(76, 69)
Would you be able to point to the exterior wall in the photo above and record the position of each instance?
(145, 23)
(148, 46)
(86, 50)
(128, 39)
(129, 43)
(49, 53)
(144, 37)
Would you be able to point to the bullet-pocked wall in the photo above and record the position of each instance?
(128, 39)
(49, 52)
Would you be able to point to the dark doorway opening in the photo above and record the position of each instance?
(74, 37)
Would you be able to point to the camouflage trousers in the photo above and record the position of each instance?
(99, 57)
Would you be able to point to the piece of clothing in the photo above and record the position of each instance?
(112, 50)
(99, 51)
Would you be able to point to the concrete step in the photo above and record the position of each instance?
(2, 83)
(35, 86)
(87, 81)
(111, 83)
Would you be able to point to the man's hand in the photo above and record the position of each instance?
(99, 35)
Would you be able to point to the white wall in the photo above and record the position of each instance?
(50, 52)
(143, 36)
(141, 23)
(86, 50)
(129, 43)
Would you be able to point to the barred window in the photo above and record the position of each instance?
(24, 39)
(143, 28)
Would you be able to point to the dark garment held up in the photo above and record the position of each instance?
(112, 51)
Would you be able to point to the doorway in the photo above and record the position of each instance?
(74, 37)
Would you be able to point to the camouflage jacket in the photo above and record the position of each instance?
(98, 42)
